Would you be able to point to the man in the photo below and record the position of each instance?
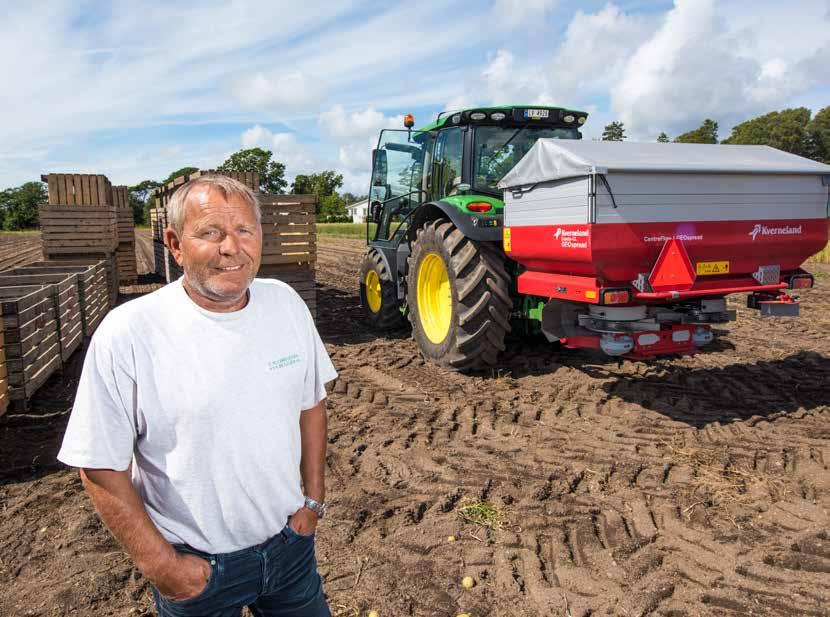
(212, 390)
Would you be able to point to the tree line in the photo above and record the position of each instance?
(792, 130)
(18, 206)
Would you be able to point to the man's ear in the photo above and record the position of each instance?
(174, 243)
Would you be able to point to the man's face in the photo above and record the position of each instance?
(220, 246)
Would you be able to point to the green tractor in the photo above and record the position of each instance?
(435, 256)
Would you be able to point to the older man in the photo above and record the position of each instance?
(212, 389)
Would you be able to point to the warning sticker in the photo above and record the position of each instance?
(506, 237)
(704, 268)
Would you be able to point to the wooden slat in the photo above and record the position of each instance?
(52, 184)
(85, 190)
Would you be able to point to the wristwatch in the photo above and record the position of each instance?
(316, 507)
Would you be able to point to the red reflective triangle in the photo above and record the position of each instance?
(673, 269)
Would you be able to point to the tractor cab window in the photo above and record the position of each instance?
(445, 174)
(397, 180)
(497, 149)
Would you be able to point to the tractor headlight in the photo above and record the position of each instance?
(456, 118)
(569, 118)
(478, 115)
(581, 120)
(498, 116)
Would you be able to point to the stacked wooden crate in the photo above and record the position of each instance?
(93, 293)
(79, 223)
(31, 337)
(65, 293)
(4, 377)
(19, 250)
(125, 252)
(289, 243)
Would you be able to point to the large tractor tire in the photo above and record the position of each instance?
(378, 295)
(458, 297)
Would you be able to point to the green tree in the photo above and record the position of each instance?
(818, 136)
(785, 130)
(141, 200)
(706, 133)
(179, 172)
(322, 184)
(18, 206)
(662, 138)
(271, 173)
(614, 132)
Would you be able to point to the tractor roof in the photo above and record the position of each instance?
(513, 114)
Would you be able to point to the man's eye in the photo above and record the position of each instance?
(210, 233)
(245, 231)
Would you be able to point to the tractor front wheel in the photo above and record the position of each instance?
(458, 298)
(378, 294)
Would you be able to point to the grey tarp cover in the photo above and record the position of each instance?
(556, 159)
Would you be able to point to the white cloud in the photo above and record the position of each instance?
(277, 92)
(342, 125)
(691, 69)
(520, 12)
(285, 148)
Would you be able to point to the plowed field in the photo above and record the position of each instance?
(691, 486)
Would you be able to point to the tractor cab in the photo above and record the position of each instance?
(439, 185)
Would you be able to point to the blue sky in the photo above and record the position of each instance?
(137, 89)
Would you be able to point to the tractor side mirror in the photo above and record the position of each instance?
(379, 168)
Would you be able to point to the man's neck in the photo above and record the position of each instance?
(215, 306)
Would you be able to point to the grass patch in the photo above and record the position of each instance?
(345, 230)
(721, 481)
(482, 513)
(823, 256)
(23, 232)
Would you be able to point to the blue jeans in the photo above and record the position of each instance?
(277, 578)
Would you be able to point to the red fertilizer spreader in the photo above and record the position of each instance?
(632, 248)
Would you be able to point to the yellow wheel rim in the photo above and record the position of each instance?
(373, 293)
(434, 298)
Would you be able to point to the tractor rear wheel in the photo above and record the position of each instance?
(458, 297)
(378, 294)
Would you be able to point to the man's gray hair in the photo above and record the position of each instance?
(225, 185)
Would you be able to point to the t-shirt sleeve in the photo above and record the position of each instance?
(319, 369)
(101, 432)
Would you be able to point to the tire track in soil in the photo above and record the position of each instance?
(582, 453)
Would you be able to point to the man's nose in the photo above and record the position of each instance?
(229, 244)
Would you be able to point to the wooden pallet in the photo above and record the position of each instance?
(78, 189)
(65, 291)
(86, 259)
(78, 229)
(289, 243)
(92, 288)
(159, 259)
(31, 338)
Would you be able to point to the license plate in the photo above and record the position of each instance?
(536, 114)
(705, 268)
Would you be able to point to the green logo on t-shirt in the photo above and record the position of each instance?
(290, 360)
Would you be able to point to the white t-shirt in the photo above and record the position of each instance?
(206, 406)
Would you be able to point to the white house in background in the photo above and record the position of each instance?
(359, 211)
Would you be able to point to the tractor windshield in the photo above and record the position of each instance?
(497, 149)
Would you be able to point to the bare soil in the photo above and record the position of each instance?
(681, 487)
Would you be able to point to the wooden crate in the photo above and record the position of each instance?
(78, 229)
(159, 259)
(172, 270)
(289, 242)
(65, 290)
(78, 189)
(4, 378)
(31, 339)
(92, 288)
(86, 259)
